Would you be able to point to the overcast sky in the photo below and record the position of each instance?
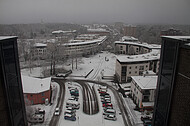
(95, 11)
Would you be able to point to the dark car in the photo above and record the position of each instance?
(69, 117)
(147, 122)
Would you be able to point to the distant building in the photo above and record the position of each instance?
(100, 31)
(36, 90)
(39, 51)
(129, 30)
(64, 36)
(171, 32)
(12, 108)
(127, 66)
(143, 91)
(172, 106)
(133, 47)
(82, 47)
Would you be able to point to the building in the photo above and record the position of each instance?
(12, 106)
(39, 51)
(143, 91)
(36, 90)
(132, 47)
(173, 88)
(83, 47)
(129, 30)
(171, 32)
(127, 66)
(100, 31)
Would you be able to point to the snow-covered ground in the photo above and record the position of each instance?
(103, 65)
(89, 120)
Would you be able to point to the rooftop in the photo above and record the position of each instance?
(35, 85)
(7, 37)
(154, 55)
(129, 38)
(183, 38)
(97, 30)
(146, 82)
(40, 45)
(150, 46)
(79, 42)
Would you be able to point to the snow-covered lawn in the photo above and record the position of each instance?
(103, 65)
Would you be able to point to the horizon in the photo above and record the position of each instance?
(99, 12)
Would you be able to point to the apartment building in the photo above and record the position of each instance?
(135, 65)
(83, 47)
(143, 91)
(39, 51)
(133, 47)
(129, 30)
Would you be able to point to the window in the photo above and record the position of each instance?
(129, 67)
(146, 66)
(135, 71)
(31, 95)
(129, 72)
(42, 93)
(141, 68)
(135, 67)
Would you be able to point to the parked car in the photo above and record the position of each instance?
(106, 101)
(69, 117)
(103, 93)
(145, 118)
(71, 109)
(70, 112)
(60, 75)
(40, 111)
(147, 122)
(107, 104)
(73, 104)
(109, 107)
(56, 112)
(109, 111)
(110, 117)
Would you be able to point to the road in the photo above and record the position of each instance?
(60, 100)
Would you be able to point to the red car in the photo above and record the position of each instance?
(107, 104)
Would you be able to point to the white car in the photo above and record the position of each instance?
(110, 117)
(56, 112)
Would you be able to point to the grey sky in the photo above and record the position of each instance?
(99, 11)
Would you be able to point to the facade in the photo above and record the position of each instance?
(144, 57)
(133, 47)
(173, 96)
(39, 51)
(143, 91)
(129, 30)
(83, 47)
(12, 106)
(36, 90)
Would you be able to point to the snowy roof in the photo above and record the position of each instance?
(40, 45)
(146, 82)
(149, 72)
(35, 85)
(61, 31)
(150, 46)
(99, 40)
(183, 38)
(7, 37)
(147, 104)
(129, 38)
(97, 30)
(154, 55)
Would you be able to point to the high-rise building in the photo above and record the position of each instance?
(172, 107)
(12, 108)
(129, 30)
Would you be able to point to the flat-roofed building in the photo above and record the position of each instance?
(36, 90)
(143, 91)
(127, 66)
